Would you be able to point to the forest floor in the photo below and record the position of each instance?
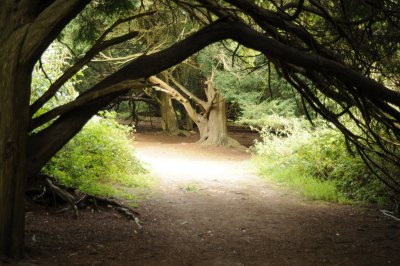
(210, 208)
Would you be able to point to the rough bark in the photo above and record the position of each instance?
(169, 121)
(217, 133)
(214, 123)
(47, 25)
(14, 118)
(26, 29)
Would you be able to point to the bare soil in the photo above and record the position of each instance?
(209, 208)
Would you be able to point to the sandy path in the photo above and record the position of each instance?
(210, 209)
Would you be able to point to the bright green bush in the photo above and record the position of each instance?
(316, 162)
(99, 159)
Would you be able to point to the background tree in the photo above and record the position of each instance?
(169, 121)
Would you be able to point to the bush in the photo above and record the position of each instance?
(316, 162)
(99, 159)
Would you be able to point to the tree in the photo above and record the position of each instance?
(211, 120)
(23, 39)
(328, 51)
(169, 121)
(333, 55)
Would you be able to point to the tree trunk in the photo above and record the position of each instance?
(213, 128)
(14, 120)
(169, 122)
(188, 122)
(216, 123)
(212, 122)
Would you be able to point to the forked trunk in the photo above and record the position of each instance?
(213, 128)
(212, 121)
(14, 119)
(217, 131)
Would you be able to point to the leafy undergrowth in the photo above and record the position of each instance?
(316, 163)
(100, 160)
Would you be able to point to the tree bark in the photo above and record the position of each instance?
(25, 32)
(216, 123)
(215, 132)
(188, 123)
(169, 122)
(14, 120)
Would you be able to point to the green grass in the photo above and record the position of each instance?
(192, 187)
(131, 189)
(309, 187)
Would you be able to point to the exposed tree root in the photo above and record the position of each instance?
(47, 192)
(227, 142)
(64, 195)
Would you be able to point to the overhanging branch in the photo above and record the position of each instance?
(100, 45)
(86, 99)
(47, 25)
(44, 144)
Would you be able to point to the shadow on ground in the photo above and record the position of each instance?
(210, 209)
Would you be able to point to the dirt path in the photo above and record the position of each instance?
(210, 209)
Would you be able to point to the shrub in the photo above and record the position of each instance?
(99, 159)
(316, 162)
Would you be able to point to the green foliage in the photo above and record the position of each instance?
(316, 162)
(93, 20)
(99, 159)
(53, 62)
(268, 113)
(248, 83)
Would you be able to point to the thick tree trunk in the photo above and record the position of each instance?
(202, 126)
(26, 29)
(216, 123)
(213, 128)
(169, 122)
(14, 120)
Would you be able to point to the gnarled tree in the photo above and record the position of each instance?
(329, 51)
(211, 120)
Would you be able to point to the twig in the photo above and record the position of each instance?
(390, 214)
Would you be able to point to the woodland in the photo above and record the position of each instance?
(318, 80)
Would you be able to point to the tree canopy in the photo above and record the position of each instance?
(342, 57)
